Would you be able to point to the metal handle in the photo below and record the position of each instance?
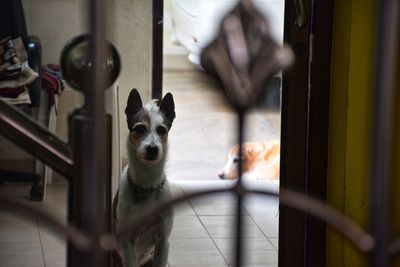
(301, 19)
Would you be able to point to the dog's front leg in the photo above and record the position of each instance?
(127, 254)
(161, 253)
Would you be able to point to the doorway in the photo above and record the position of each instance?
(204, 132)
(200, 142)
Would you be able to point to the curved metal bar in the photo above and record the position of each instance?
(78, 239)
(316, 208)
(312, 206)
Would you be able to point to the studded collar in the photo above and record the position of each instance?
(140, 193)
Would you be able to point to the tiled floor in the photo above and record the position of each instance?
(203, 232)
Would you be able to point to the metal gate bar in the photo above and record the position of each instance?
(239, 245)
(157, 49)
(383, 119)
(358, 236)
(89, 199)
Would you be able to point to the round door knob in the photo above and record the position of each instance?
(76, 63)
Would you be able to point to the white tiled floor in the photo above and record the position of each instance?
(203, 232)
(206, 233)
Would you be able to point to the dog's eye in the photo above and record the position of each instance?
(140, 129)
(161, 130)
(236, 160)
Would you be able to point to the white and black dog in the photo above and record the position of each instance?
(143, 182)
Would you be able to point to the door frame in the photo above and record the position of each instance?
(305, 130)
(157, 49)
(304, 127)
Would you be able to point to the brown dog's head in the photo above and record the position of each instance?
(252, 152)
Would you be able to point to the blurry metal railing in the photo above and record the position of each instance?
(243, 71)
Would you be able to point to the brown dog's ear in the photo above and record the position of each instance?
(167, 107)
(133, 106)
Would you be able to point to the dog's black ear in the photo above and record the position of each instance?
(167, 107)
(133, 106)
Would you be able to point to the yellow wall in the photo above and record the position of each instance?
(350, 121)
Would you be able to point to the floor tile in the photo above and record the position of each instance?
(269, 226)
(184, 221)
(190, 186)
(22, 254)
(48, 236)
(219, 205)
(188, 232)
(260, 206)
(54, 247)
(184, 208)
(54, 253)
(212, 209)
(196, 245)
(194, 252)
(274, 241)
(257, 251)
(19, 234)
(223, 226)
(57, 191)
(226, 245)
(188, 227)
(56, 206)
(16, 220)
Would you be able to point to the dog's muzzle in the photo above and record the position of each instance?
(221, 175)
(151, 152)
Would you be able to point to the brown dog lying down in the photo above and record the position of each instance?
(260, 161)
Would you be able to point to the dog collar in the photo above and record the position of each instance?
(139, 193)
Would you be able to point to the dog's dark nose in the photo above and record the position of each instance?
(221, 174)
(151, 152)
